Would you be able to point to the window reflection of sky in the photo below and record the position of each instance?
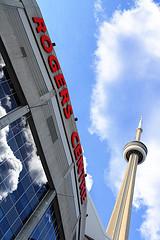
(8, 97)
(47, 228)
(22, 180)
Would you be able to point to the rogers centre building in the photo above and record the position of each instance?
(42, 180)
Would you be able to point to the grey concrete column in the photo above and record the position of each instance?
(13, 3)
(13, 116)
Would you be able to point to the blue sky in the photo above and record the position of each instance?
(109, 54)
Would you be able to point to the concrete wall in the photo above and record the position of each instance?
(94, 228)
(29, 63)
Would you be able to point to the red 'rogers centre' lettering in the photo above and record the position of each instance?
(63, 93)
(54, 66)
(77, 149)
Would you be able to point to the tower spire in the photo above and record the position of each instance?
(140, 122)
(139, 130)
(135, 153)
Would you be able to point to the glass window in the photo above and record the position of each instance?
(23, 182)
(22, 179)
(47, 228)
(11, 215)
(8, 96)
(15, 227)
(1, 213)
(9, 234)
(4, 225)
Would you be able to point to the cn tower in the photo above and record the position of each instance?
(134, 153)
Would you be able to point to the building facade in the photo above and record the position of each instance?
(42, 180)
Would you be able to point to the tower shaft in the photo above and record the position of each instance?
(118, 227)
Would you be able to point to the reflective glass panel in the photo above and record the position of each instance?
(47, 228)
(8, 96)
(23, 182)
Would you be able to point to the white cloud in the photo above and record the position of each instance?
(98, 10)
(34, 164)
(98, 6)
(2, 64)
(1, 72)
(127, 61)
(10, 166)
(8, 101)
(89, 178)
